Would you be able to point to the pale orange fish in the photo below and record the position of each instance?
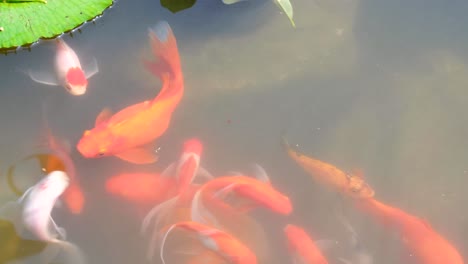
(301, 247)
(424, 243)
(329, 175)
(125, 133)
(219, 242)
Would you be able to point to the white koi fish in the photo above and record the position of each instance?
(68, 71)
(32, 219)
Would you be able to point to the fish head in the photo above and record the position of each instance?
(75, 81)
(193, 145)
(96, 143)
(358, 188)
(54, 183)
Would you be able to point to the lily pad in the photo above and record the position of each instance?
(177, 5)
(23, 22)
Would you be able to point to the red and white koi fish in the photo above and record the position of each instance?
(125, 133)
(68, 71)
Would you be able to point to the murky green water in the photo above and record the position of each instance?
(377, 86)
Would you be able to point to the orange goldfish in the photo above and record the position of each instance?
(126, 132)
(301, 246)
(145, 188)
(223, 244)
(68, 71)
(256, 192)
(428, 246)
(188, 166)
(327, 174)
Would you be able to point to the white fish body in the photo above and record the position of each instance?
(68, 71)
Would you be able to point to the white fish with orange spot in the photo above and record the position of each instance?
(32, 220)
(68, 71)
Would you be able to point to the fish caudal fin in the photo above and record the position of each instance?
(164, 47)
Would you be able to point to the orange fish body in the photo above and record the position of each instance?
(147, 188)
(329, 175)
(425, 244)
(301, 246)
(260, 193)
(125, 133)
(220, 242)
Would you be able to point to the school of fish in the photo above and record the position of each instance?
(211, 213)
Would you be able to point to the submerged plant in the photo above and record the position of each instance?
(24, 22)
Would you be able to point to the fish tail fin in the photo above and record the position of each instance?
(164, 47)
(167, 67)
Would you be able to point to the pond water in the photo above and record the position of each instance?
(366, 85)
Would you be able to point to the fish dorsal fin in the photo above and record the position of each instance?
(103, 116)
(426, 223)
(358, 173)
(260, 173)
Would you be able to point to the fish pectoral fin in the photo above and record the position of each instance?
(91, 69)
(138, 156)
(345, 261)
(203, 173)
(44, 78)
(103, 116)
(169, 171)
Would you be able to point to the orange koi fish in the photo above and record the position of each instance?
(327, 174)
(219, 242)
(301, 246)
(123, 134)
(424, 243)
(188, 166)
(147, 188)
(68, 71)
(256, 192)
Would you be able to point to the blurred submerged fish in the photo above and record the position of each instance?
(68, 71)
(219, 242)
(329, 175)
(147, 188)
(125, 133)
(32, 219)
(55, 157)
(360, 254)
(423, 242)
(301, 247)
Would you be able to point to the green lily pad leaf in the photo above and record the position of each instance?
(287, 8)
(177, 5)
(24, 22)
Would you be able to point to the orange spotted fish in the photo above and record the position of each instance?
(301, 247)
(125, 133)
(424, 243)
(68, 71)
(327, 174)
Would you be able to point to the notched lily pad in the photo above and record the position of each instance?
(24, 22)
(177, 5)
